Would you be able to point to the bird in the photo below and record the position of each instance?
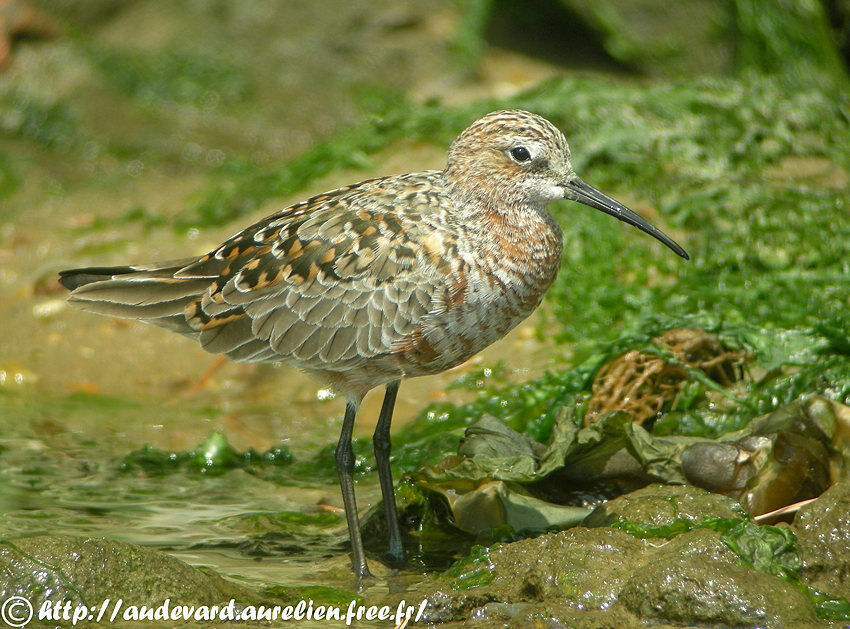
(386, 279)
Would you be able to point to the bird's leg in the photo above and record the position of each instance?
(344, 456)
(381, 443)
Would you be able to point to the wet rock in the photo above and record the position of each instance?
(553, 616)
(605, 576)
(823, 538)
(696, 578)
(582, 567)
(447, 605)
(90, 570)
(664, 506)
(575, 570)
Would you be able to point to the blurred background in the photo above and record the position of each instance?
(135, 130)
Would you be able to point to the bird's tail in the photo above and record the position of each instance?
(149, 293)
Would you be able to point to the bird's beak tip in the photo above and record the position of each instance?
(577, 190)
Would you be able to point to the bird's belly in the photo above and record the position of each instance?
(485, 315)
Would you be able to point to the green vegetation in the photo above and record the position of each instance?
(51, 125)
(214, 456)
(318, 593)
(8, 180)
(791, 39)
(159, 77)
(472, 571)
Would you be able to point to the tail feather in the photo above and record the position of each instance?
(150, 293)
(74, 278)
(139, 292)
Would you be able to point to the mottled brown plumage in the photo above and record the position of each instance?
(385, 279)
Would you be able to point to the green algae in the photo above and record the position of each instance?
(773, 550)
(260, 522)
(793, 39)
(162, 76)
(9, 181)
(470, 33)
(49, 124)
(214, 456)
(474, 570)
(770, 549)
(318, 593)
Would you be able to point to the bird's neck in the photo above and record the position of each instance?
(491, 210)
(515, 234)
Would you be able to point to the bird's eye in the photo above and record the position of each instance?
(520, 154)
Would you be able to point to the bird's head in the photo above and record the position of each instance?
(514, 158)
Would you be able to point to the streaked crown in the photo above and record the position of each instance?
(510, 156)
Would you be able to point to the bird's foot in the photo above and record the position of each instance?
(364, 579)
(395, 560)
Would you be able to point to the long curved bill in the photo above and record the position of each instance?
(578, 190)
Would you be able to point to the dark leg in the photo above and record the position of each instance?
(345, 468)
(381, 442)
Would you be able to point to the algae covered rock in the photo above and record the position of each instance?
(823, 536)
(584, 568)
(659, 510)
(697, 578)
(675, 556)
(89, 570)
(564, 574)
(606, 577)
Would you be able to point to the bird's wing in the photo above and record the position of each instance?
(325, 283)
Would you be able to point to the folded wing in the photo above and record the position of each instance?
(324, 284)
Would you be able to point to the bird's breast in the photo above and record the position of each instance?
(496, 280)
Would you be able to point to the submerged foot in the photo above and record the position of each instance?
(394, 560)
(363, 579)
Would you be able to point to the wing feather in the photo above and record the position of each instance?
(226, 338)
(342, 340)
(291, 338)
(324, 284)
